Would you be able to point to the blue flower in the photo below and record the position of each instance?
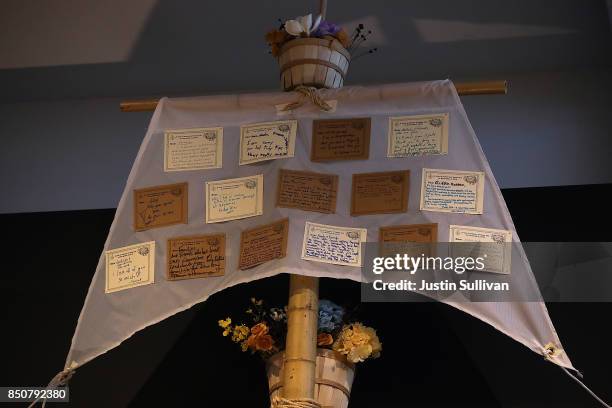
(326, 28)
(330, 315)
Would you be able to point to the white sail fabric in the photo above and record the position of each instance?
(108, 319)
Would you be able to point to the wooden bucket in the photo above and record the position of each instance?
(333, 379)
(318, 62)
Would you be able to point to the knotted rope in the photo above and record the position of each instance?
(280, 402)
(308, 93)
(59, 380)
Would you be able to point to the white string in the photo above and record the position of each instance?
(59, 380)
(602, 402)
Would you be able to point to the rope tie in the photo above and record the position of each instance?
(551, 351)
(280, 402)
(60, 380)
(308, 93)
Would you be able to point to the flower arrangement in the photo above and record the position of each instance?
(306, 27)
(266, 332)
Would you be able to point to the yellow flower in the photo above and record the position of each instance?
(225, 323)
(244, 346)
(358, 342)
(359, 353)
(240, 333)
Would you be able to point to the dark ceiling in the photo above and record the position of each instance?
(149, 47)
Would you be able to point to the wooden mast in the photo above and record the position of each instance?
(301, 346)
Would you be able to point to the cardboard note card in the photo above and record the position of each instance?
(380, 193)
(452, 191)
(193, 149)
(418, 135)
(267, 141)
(233, 199)
(195, 257)
(409, 233)
(333, 245)
(307, 191)
(263, 244)
(415, 239)
(160, 206)
(340, 139)
(130, 266)
(493, 245)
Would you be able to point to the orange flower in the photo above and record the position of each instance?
(259, 329)
(251, 342)
(324, 339)
(264, 343)
(276, 36)
(343, 37)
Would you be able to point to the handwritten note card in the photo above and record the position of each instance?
(267, 141)
(193, 149)
(160, 206)
(307, 191)
(233, 199)
(340, 139)
(195, 257)
(493, 245)
(263, 244)
(334, 245)
(418, 135)
(130, 266)
(415, 239)
(452, 191)
(380, 193)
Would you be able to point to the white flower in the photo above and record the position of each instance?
(302, 25)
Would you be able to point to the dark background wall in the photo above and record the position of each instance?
(64, 67)
(434, 356)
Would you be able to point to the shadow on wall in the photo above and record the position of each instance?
(169, 47)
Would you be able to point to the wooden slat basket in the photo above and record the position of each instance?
(333, 381)
(318, 62)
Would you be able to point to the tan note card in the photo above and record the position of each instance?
(332, 244)
(409, 233)
(380, 193)
(233, 199)
(195, 257)
(452, 191)
(494, 246)
(267, 141)
(160, 206)
(340, 139)
(193, 149)
(414, 239)
(307, 191)
(130, 266)
(262, 244)
(418, 135)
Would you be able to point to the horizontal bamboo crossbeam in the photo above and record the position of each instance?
(499, 87)
(463, 89)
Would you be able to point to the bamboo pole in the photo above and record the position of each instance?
(301, 345)
(499, 87)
